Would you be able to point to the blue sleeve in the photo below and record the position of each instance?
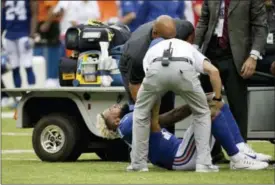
(180, 10)
(125, 126)
(127, 7)
(131, 107)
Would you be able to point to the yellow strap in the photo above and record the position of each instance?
(93, 22)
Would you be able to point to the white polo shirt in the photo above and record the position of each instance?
(180, 49)
(67, 16)
(83, 11)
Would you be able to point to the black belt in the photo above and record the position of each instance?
(173, 59)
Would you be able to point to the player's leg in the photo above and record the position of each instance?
(239, 141)
(238, 160)
(26, 56)
(222, 133)
(11, 47)
(146, 98)
(186, 155)
(54, 53)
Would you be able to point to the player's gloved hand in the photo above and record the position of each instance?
(29, 43)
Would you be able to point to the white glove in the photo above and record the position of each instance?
(108, 64)
(106, 81)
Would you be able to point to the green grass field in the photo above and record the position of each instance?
(24, 167)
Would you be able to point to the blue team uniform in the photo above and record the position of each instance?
(132, 6)
(163, 145)
(167, 151)
(17, 19)
(150, 10)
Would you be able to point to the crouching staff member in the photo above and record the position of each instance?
(135, 48)
(173, 65)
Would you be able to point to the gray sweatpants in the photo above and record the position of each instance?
(182, 79)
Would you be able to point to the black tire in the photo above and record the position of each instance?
(71, 149)
(118, 151)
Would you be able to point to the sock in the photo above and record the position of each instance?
(30, 75)
(16, 77)
(222, 133)
(232, 124)
(241, 146)
(236, 157)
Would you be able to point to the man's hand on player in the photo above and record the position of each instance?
(214, 105)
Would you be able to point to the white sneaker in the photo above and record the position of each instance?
(130, 168)
(5, 102)
(248, 164)
(248, 151)
(206, 168)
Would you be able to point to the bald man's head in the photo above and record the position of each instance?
(164, 26)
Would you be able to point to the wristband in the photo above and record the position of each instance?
(217, 99)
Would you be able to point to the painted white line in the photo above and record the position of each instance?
(15, 134)
(16, 151)
(7, 114)
(258, 141)
(18, 159)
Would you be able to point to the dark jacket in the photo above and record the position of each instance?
(270, 48)
(136, 47)
(247, 27)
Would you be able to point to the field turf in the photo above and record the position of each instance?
(20, 165)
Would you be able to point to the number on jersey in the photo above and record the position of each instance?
(166, 135)
(15, 9)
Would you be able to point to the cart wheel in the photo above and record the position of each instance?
(56, 138)
(75, 83)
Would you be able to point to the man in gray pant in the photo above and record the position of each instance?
(173, 65)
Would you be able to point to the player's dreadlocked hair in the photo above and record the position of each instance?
(103, 129)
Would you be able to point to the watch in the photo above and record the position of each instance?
(217, 99)
(254, 57)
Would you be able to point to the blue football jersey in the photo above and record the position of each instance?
(163, 145)
(132, 6)
(17, 19)
(150, 10)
